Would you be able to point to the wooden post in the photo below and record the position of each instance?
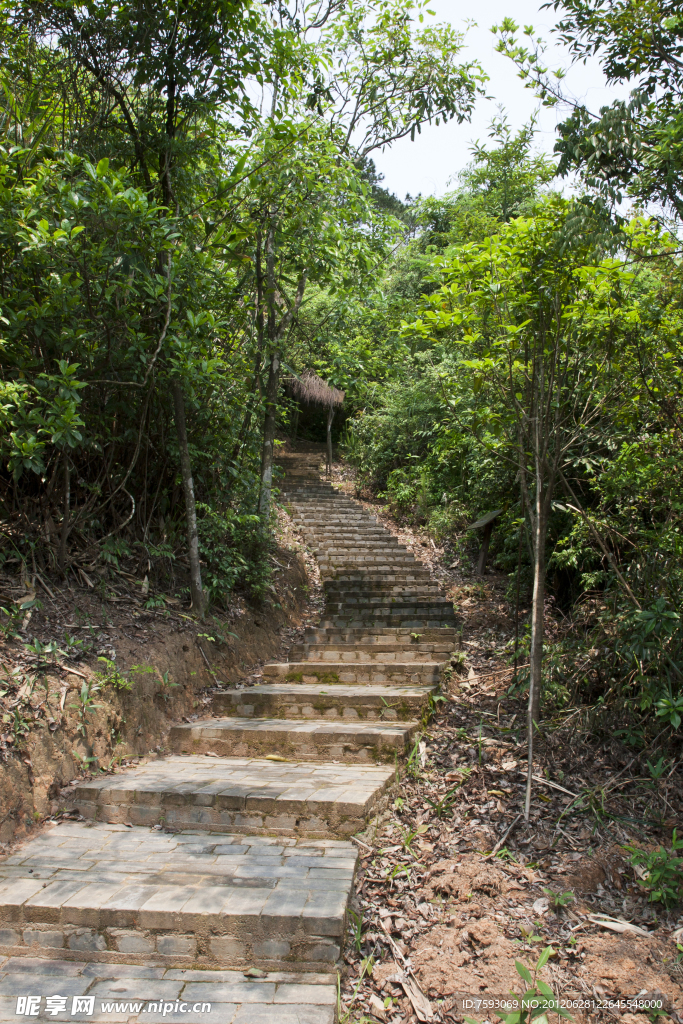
(486, 524)
(330, 417)
(484, 549)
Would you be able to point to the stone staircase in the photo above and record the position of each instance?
(233, 851)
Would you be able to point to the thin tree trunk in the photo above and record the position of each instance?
(518, 589)
(269, 436)
(190, 508)
(540, 526)
(295, 427)
(65, 520)
(330, 417)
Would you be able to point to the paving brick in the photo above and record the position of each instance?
(86, 940)
(225, 947)
(52, 938)
(129, 941)
(284, 1015)
(237, 992)
(320, 995)
(136, 988)
(43, 985)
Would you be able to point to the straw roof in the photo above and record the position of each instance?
(311, 389)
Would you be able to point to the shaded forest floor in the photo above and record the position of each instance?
(435, 906)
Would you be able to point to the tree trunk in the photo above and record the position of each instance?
(269, 436)
(65, 520)
(295, 426)
(330, 417)
(540, 526)
(190, 509)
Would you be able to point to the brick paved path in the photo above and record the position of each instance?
(192, 869)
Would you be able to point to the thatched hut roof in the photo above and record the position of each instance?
(310, 389)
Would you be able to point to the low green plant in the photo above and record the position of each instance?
(458, 659)
(218, 634)
(72, 647)
(366, 967)
(658, 769)
(356, 927)
(559, 900)
(408, 837)
(87, 704)
(413, 762)
(164, 679)
(662, 871)
(19, 725)
(505, 854)
(112, 677)
(85, 760)
(431, 707)
(444, 806)
(45, 652)
(537, 1001)
(670, 708)
(10, 620)
(397, 871)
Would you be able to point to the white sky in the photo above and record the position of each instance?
(439, 152)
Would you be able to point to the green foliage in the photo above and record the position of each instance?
(538, 1000)
(86, 703)
(559, 900)
(112, 677)
(444, 806)
(661, 872)
(236, 549)
(356, 928)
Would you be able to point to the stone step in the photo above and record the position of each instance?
(386, 622)
(111, 893)
(305, 700)
(338, 547)
(342, 589)
(390, 672)
(368, 634)
(254, 796)
(335, 562)
(392, 602)
(396, 577)
(164, 993)
(368, 531)
(352, 653)
(343, 544)
(371, 612)
(351, 740)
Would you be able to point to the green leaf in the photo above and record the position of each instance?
(523, 972)
(544, 957)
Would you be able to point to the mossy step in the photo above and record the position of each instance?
(347, 739)
(306, 700)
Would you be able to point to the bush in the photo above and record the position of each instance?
(235, 549)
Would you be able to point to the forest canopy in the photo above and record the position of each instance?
(190, 216)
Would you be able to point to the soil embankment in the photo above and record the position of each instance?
(97, 673)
